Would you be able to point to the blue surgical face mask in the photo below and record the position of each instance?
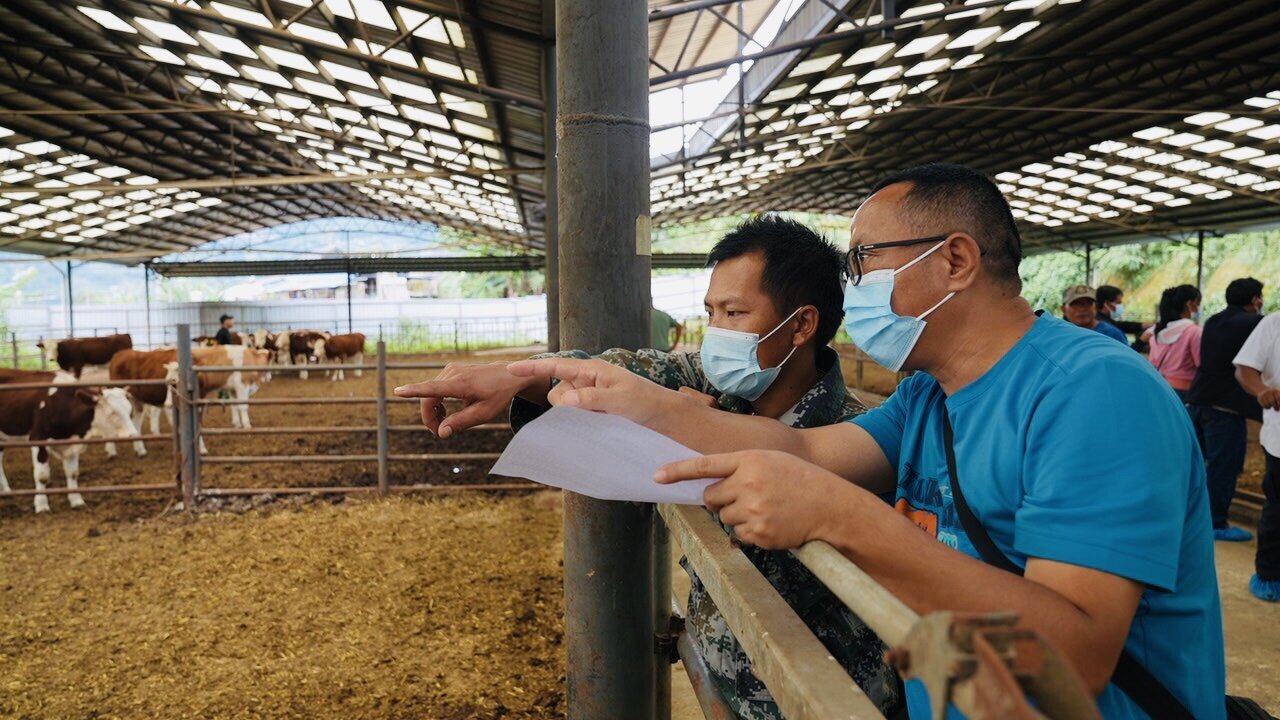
(1118, 312)
(885, 336)
(729, 359)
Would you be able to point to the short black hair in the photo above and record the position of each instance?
(1108, 293)
(1242, 291)
(225, 318)
(800, 267)
(946, 197)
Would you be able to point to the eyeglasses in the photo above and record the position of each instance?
(852, 270)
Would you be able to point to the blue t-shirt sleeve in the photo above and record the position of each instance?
(1115, 500)
(885, 424)
(1112, 331)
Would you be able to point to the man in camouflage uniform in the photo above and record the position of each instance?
(765, 279)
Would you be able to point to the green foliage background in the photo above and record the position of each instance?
(1144, 271)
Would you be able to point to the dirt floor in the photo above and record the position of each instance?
(318, 607)
(408, 608)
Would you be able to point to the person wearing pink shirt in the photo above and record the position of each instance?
(1175, 342)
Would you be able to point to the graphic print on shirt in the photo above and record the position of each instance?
(926, 501)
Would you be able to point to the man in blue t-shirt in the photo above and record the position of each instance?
(1113, 535)
(1080, 308)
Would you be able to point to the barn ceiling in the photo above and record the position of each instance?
(159, 125)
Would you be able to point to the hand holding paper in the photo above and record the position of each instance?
(601, 456)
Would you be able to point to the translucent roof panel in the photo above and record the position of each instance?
(1103, 122)
(260, 108)
(150, 126)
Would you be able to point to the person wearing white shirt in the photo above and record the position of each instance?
(1258, 370)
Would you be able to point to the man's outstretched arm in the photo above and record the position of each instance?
(843, 449)
(488, 389)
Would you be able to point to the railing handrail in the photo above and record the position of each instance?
(83, 384)
(790, 664)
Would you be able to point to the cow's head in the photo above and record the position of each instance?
(282, 348)
(171, 377)
(112, 415)
(50, 349)
(258, 358)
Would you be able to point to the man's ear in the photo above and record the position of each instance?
(964, 256)
(807, 326)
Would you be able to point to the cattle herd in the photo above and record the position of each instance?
(77, 412)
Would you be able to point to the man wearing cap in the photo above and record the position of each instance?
(1080, 307)
(224, 336)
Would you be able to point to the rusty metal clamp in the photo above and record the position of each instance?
(664, 643)
(989, 668)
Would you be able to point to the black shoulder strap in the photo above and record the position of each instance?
(1130, 675)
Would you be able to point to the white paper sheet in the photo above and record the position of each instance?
(598, 455)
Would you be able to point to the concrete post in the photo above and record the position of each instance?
(603, 195)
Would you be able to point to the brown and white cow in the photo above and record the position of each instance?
(73, 354)
(341, 348)
(58, 414)
(163, 365)
(241, 383)
(262, 339)
(298, 347)
(147, 400)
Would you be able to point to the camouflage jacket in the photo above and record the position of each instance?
(848, 640)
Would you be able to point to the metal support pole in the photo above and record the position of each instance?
(604, 270)
(71, 313)
(146, 289)
(13, 345)
(382, 418)
(888, 11)
(349, 302)
(1200, 260)
(187, 414)
(742, 81)
(550, 222)
(1088, 263)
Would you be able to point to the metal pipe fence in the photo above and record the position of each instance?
(188, 374)
(450, 335)
(187, 433)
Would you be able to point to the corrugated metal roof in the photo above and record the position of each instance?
(1104, 120)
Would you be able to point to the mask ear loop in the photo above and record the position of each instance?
(928, 312)
(923, 255)
(771, 332)
(784, 322)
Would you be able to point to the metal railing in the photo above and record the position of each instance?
(187, 432)
(192, 461)
(22, 351)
